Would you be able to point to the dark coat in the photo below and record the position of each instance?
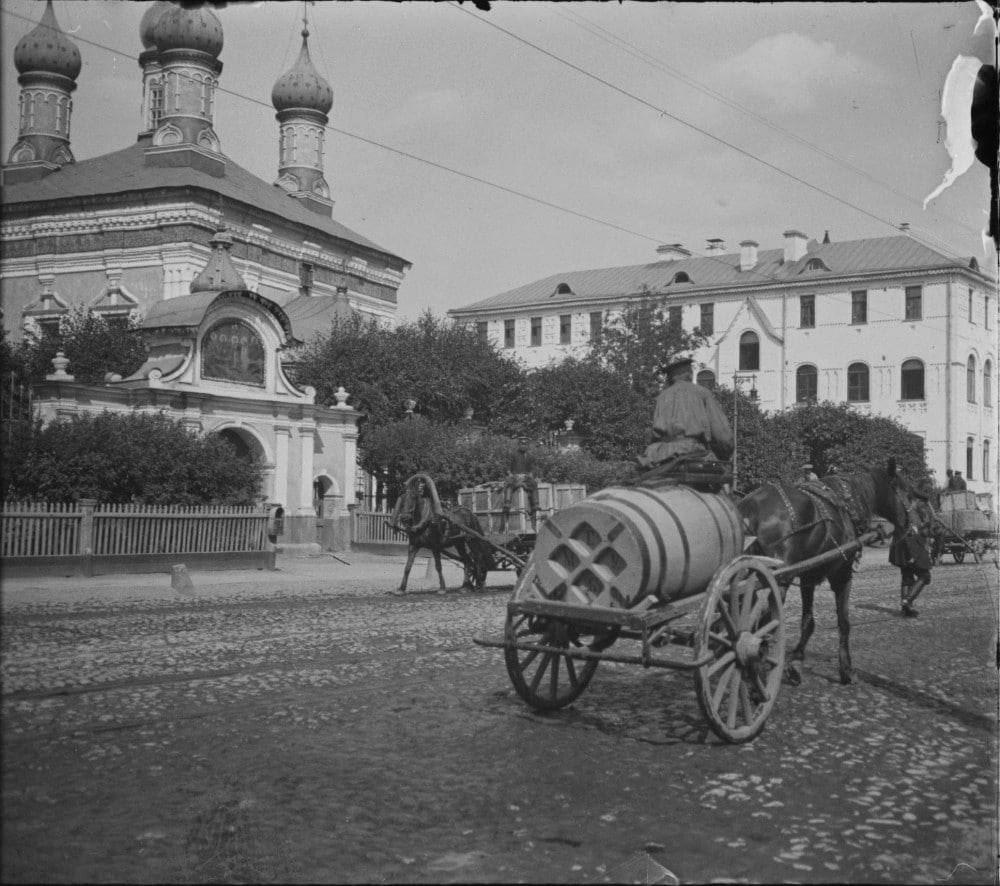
(910, 549)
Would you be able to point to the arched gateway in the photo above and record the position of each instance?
(214, 362)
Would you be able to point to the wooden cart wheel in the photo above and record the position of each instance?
(546, 680)
(742, 626)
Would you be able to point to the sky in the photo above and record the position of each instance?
(860, 83)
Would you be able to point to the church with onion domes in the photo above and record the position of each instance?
(229, 272)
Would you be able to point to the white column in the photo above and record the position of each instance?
(350, 467)
(307, 444)
(281, 436)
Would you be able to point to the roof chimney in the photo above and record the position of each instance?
(748, 254)
(672, 251)
(795, 245)
(716, 244)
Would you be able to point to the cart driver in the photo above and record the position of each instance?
(521, 475)
(909, 551)
(687, 421)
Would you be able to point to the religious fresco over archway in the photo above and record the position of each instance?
(232, 351)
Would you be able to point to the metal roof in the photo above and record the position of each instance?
(124, 171)
(856, 257)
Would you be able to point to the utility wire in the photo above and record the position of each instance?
(665, 113)
(613, 39)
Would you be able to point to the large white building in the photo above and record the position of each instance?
(888, 325)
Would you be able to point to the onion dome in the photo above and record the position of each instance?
(302, 86)
(47, 49)
(220, 273)
(149, 19)
(181, 28)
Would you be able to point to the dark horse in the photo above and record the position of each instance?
(797, 522)
(418, 513)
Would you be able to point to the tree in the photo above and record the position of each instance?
(124, 457)
(637, 342)
(93, 344)
(444, 366)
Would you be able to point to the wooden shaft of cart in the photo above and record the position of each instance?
(514, 557)
(793, 570)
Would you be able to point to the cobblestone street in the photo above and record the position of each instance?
(303, 725)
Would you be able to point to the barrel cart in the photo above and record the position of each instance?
(962, 527)
(663, 568)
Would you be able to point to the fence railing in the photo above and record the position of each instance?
(372, 527)
(42, 529)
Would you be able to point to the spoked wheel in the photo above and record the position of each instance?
(741, 624)
(549, 681)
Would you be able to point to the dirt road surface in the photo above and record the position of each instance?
(303, 726)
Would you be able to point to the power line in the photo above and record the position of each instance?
(636, 52)
(664, 112)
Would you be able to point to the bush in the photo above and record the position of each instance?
(116, 457)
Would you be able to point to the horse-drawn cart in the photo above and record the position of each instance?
(962, 527)
(662, 567)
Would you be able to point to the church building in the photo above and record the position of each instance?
(229, 272)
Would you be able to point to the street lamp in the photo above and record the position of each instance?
(738, 378)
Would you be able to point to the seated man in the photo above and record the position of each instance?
(521, 475)
(688, 422)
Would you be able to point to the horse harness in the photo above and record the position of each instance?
(828, 503)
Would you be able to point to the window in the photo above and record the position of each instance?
(681, 277)
(912, 380)
(706, 378)
(563, 289)
(970, 444)
(707, 324)
(970, 380)
(972, 316)
(986, 459)
(807, 311)
(805, 384)
(857, 383)
(48, 326)
(536, 331)
(155, 103)
(914, 302)
(565, 329)
(482, 331)
(988, 384)
(596, 325)
(508, 333)
(674, 315)
(749, 351)
(859, 306)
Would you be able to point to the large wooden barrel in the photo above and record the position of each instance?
(620, 545)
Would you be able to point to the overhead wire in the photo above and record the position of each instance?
(631, 49)
(505, 188)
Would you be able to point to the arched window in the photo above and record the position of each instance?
(681, 277)
(970, 444)
(986, 459)
(706, 378)
(233, 351)
(805, 384)
(912, 380)
(970, 379)
(857, 383)
(563, 289)
(987, 384)
(749, 351)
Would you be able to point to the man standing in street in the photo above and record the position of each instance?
(521, 475)
(687, 421)
(909, 551)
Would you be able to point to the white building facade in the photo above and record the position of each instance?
(888, 325)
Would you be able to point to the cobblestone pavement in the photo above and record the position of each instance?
(305, 726)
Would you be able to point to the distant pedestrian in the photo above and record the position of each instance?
(958, 482)
(950, 479)
(909, 551)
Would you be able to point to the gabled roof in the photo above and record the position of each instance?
(898, 254)
(123, 171)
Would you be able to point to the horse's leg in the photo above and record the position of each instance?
(462, 549)
(437, 565)
(841, 585)
(794, 673)
(411, 555)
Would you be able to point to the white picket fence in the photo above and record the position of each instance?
(47, 529)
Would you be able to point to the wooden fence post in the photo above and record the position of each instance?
(87, 506)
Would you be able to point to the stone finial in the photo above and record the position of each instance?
(341, 395)
(60, 361)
